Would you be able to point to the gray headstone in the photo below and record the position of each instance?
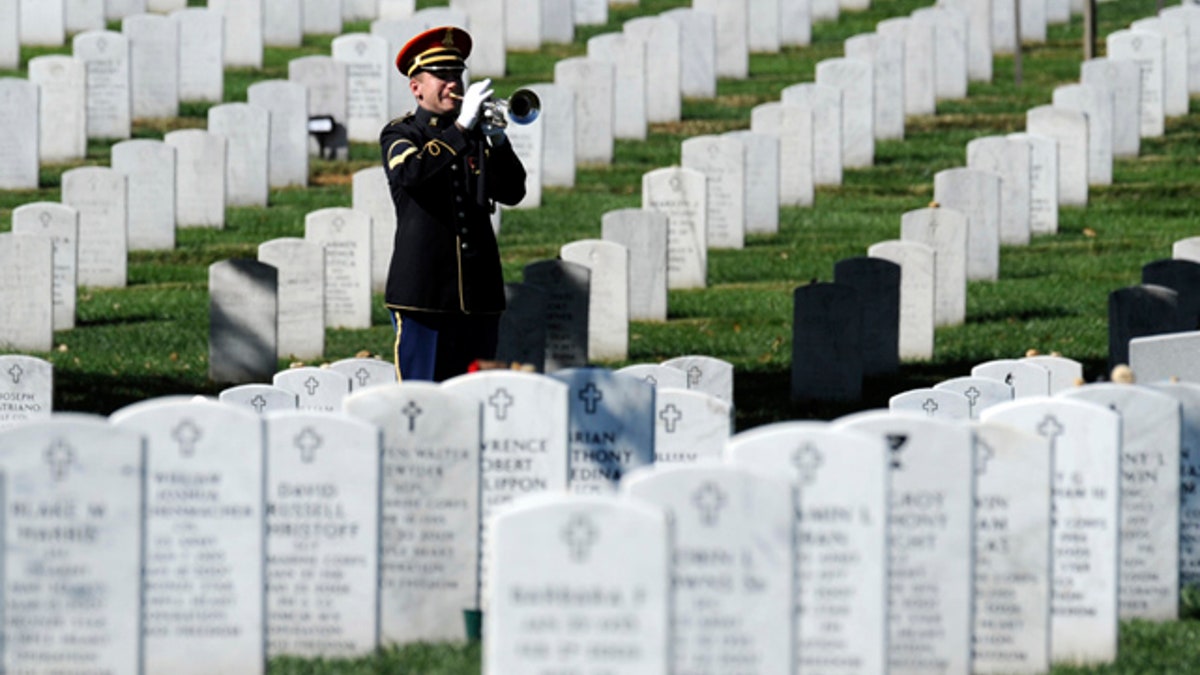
(283, 23)
(106, 57)
(557, 121)
(841, 563)
(247, 130)
(244, 27)
(301, 276)
(1147, 50)
(761, 189)
(288, 103)
(824, 103)
(594, 85)
(62, 108)
(365, 372)
(698, 51)
(611, 427)
(26, 292)
(26, 389)
(1085, 441)
(930, 524)
(877, 284)
(710, 375)
(680, 194)
(663, 44)
(920, 58)
(99, 195)
(322, 549)
(945, 231)
(608, 296)
(260, 398)
(1011, 160)
(201, 189)
(368, 76)
(856, 80)
(976, 194)
(61, 225)
(522, 330)
(583, 546)
(1064, 373)
(1043, 183)
(827, 337)
(1026, 378)
(1013, 475)
(316, 389)
(430, 502)
(793, 126)
(689, 426)
(1151, 427)
(981, 392)
(1183, 277)
(566, 287)
(72, 546)
(643, 233)
(733, 50)
(1123, 79)
(886, 56)
(918, 290)
(1069, 129)
(657, 375)
(1097, 104)
(18, 134)
(204, 545)
(742, 521)
(153, 65)
(346, 236)
(938, 404)
(42, 23)
(628, 58)
(722, 161)
(1138, 311)
(201, 54)
(149, 170)
(242, 311)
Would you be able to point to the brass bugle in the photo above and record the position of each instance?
(523, 107)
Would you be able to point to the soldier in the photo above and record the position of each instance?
(447, 166)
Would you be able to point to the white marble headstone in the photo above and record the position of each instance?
(1124, 79)
(594, 85)
(261, 398)
(1147, 50)
(722, 161)
(698, 51)
(1069, 129)
(857, 81)
(288, 104)
(689, 426)
(918, 291)
(18, 134)
(201, 187)
(793, 126)
(975, 194)
(26, 292)
(61, 224)
(345, 235)
(824, 103)
(149, 169)
(201, 54)
(153, 65)
(886, 55)
(99, 195)
(62, 107)
(1097, 104)
(106, 56)
(247, 130)
(608, 296)
(369, 74)
(680, 194)
(316, 389)
(1043, 182)
(243, 331)
(945, 231)
(301, 282)
(365, 372)
(26, 389)
(981, 392)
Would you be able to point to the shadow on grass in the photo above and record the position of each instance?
(103, 394)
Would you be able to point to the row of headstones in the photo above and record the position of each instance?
(948, 524)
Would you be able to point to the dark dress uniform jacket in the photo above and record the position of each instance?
(445, 257)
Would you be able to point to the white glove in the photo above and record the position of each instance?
(476, 94)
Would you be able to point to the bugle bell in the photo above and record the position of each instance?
(522, 107)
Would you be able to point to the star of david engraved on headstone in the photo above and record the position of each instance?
(363, 376)
(259, 403)
(412, 411)
(695, 375)
(15, 373)
(670, 416)
(591, 396)
(307, 442)
(311, 385)
(709, 500)
(930, 407)
(895, 447)
(807, 459)
(983, 453)
(580, 534)
(500, 401)
(972, 395)
(187, 434)
(1050, 428)
(59, 456)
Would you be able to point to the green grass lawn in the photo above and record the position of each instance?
(150, 339)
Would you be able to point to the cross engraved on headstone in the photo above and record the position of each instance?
(972, 395)
(590, 395)
(59, 456)
(1050, 428)
(930, 407)
(984, 452)
(412, 411)
(187, 434)
(312, 385)
(896, 446)
(15, 373)
(807, 459)
(670, 416)
(307, 442)
(259, 403)
(363, 376)
(579, 535)
(694, 376)
(501, 400)
(709, 500)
